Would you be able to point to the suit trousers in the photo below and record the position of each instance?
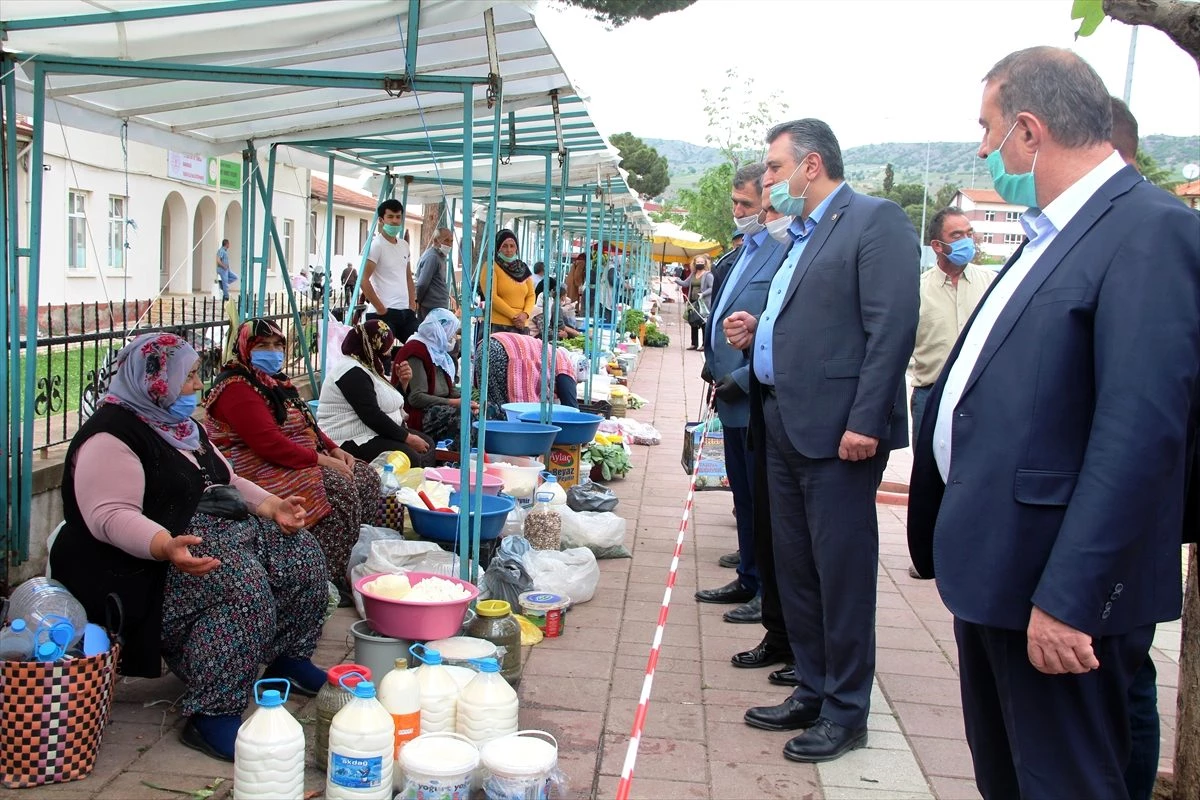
(740, 469)
(826, 543)
(764, 543)
(1046, 737)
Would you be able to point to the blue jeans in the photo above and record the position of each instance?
(920, 396)
(1142, 771)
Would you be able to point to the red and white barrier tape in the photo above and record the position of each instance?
(639, 718)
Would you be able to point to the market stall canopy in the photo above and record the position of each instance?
(674, 245)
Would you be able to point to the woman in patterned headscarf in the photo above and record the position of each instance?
(215, 588)
(360, 408)
(257, 419)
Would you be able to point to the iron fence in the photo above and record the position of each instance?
(77, 346)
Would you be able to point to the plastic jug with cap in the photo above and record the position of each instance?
(17, 642)
(389, 482)
(487, 707)
(268, 757)
(439, 692)
(331, 699)
(400, 694)
(361, 745)
(558, 495)
(39, 599)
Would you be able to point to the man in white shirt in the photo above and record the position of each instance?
(1049, 489)
(387, 280)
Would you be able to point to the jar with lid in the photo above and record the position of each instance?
(330, 700)
(618, 402)
(495, 622)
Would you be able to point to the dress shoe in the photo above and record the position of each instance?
(748, 612)
(732, 592)
(912, 573)
(824, 741)
(764, 655)
(790, 715)
(729, 560)
(784, 677)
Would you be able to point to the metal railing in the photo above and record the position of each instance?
(78, 342)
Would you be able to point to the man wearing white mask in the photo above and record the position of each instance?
(431, 274)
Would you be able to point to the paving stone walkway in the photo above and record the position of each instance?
(584, 686)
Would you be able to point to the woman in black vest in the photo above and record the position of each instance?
(216, 575)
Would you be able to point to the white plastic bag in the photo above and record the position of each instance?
(602, 532)
(636, 432)
(571, 573)
(394, 555)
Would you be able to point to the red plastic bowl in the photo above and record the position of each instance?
(415, 620)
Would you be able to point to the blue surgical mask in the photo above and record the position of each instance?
(506, 259)
(1019, 190)
(782, 199)
(184, 406)
(269, 361)
(393, 230)
(960, 252)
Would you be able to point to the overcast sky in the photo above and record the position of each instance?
(875, 70)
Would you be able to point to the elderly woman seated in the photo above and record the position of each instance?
(257, 419)
(214, 573)
(515, 371)
(360, 407)
(563, 311)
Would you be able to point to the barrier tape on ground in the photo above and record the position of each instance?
(639, 717)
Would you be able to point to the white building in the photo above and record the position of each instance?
(997, 224)
(352, 215)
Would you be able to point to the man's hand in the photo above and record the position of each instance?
(856, 447)
(727, 389)
(706, 374)
(1056, 648)
(739, 328)
(176, 549)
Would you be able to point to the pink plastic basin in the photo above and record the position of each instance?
(451, 476)
(412, 619)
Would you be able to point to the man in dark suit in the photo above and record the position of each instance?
(1047, 495)
(828, 356)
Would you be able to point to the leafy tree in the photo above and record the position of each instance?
(1178, 19)
(619, 12)
(889, 179)
(1152, 172)
(647, 169)
(737, 122)
(667, 215)
(708, 205)
(945, 196)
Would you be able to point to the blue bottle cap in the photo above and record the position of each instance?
(486, 664)
(427, 655)
(364, 689)
(270, 699)
(18, 625)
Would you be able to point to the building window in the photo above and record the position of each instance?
(989, 216)
(1013, 238)
(339, 234)
(116, 232)
(1012, 216)
(76, 229)
(362, 235)
(312, 232)
(285, 236)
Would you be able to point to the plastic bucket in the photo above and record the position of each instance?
(375, 651)
(522, 764)
(545, 610)
(438, 765)
(520, 475)
(459, 650)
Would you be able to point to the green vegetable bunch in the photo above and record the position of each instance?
(655, 337)
(611, 459)
(576, 343)
(634, 320)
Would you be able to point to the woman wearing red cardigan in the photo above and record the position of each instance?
(433, 401)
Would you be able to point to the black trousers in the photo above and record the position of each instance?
(373, 448)
(764, 542)
(402, 321)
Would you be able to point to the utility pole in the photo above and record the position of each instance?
(1129, 66)
(925, 194)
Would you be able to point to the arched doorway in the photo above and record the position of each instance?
(233, 232)
(173, 246)
(204, 245)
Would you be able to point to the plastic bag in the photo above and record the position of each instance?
(639, 432)
(555, 787)
(506, 575)
(602, 532)
(571, 573)
(381, 550)
(514, 523)
(588, 496)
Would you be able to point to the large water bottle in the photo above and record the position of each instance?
(389, 482)
(16, 642)
(439, 691)
(268, 758)
(38, 599)
(487, 707)
(361, 748)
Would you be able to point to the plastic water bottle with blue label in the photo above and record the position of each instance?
(361, 748)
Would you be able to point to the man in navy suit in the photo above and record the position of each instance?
(828, 355)
(1047, 496)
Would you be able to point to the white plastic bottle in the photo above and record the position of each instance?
(550, 484)
(439, 692)
(400, 694)
(487, 707)
(17, 642)
(389, 482)
(361, 743)
(268, 757)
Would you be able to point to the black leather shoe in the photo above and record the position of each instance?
(790, 715)
(729, 560)
(748, 612)
(824, 741)
(732, 592)
(784, 677)
(764, 655)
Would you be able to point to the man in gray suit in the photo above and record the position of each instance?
(828, 355)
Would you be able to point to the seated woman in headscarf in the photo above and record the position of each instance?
(257, 419)
(215, 574)
(361, 409)
(563, 311)
(508, 286)
(515, 371)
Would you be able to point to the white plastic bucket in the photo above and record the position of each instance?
(437, 766)
(522, 766)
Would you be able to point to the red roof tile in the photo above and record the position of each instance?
(982, 195)
(343, 196)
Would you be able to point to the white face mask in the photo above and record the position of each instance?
(748, 225)
(777, 229)
(444, 249)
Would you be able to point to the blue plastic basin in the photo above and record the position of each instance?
(578, 427)
(515, 410)
(441, 526)
(519, 438)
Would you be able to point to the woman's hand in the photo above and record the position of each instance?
(474, 407)
(417, 443)
(334, 463)
(403, 373)
(287, 512)
(521, 320)
(344, 457)
(454, 402)
(176, 549)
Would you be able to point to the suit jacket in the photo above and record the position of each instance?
(723, 265)
(749, 294)
(1070, 439)
(846, 330)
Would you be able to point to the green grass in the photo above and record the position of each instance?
(71, 368)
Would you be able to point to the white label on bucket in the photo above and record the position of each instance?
(356, 773)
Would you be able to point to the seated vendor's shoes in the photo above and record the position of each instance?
(213, 736)
(305, 677)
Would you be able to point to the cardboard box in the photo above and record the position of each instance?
(563, 464)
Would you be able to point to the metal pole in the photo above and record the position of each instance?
(925, 194)
(328, 272)
(466, 312)
(587, 258)
(268, 194)
(9, 311)
(547, 379)
(249, 207)
(1129, 66)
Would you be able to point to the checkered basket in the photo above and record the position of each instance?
(52, 714)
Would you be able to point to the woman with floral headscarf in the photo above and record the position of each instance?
(257, 419)
(215, 574)
(359, 406)
(508, 287)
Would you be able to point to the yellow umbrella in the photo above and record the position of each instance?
(673, 245)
